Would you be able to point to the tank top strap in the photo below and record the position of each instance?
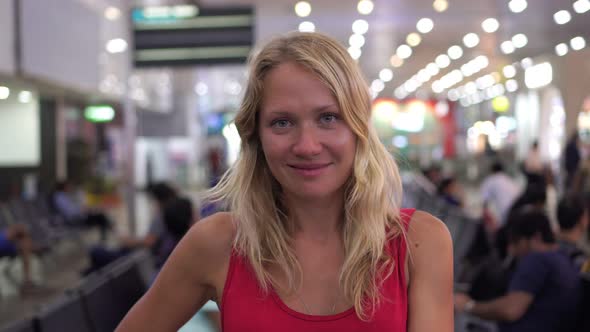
(406, 215)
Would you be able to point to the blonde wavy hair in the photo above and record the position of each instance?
(372, 193)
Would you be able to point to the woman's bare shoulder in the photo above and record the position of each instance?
(213, 235)
(428, 235)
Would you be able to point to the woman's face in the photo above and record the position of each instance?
(308, 146)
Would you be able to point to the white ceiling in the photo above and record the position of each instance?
(392, 20)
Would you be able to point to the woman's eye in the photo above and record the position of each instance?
(329, 118)
(281, 123)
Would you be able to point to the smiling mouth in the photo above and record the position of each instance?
(309, 166)
(309, 170)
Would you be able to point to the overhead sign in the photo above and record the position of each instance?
(99, 113)
(189, 35)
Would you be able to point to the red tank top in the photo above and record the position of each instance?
(246, 308)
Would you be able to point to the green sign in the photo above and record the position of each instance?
(99, 113)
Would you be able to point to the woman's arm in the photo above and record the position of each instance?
(430, 289)
(192, 275)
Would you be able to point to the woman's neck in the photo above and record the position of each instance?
(316, 218)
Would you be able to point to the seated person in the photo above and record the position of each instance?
(544, 290)
(66, 204)
(178, 217)
(573, 225)
(450, 191)
(15, 240)
(164, 232)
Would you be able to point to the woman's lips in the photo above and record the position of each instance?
(309, 170)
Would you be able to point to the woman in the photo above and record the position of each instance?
(315, 240)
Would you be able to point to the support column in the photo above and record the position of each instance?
(572, 76)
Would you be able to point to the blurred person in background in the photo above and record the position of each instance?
(451, 191)
(572, 158)
(573, 227)
(498, 192)
(533, 167)
(163, 234)
(534, 198)
(66, 203)
(544, 290)
(15, 240)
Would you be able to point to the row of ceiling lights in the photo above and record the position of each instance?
(488, 86)
(488, 80)
(403, 52)
(470, 40)
(359, 27)
(24, 96)
(517, 41)
(303, 9)
(563, 16)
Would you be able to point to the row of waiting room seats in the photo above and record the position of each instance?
(463, 228)
(45, 225)
(464, 231)
(98, 304)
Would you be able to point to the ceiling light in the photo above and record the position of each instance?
(577, 43)
(302, 9)
(356, 40)
(386, 74)
(442, 61)
(25, 96)
(562, 17)
(377, 85)
(112, 13)
(517, 6)
(354, 52)
(538, 76)
(507, 47)
(467, 69)
(400, 93)
(481, 62)
(511, 85)
(201, 89)
(4, 92)
(561, 49)
(365, 7)
(526, 63)
(470, 88)
(424, 25)
(471, 40)
(453, 95)
(413, 39)
(423, 76)
(440, 5)
(117, 45)
(509, 71)
(360, 27)
(520, 40)
(396, 61)
(581, 6)
(437, 87)
(404, 51)
(455, 52)
(490, 25)
(306, 26)
(432, 69)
